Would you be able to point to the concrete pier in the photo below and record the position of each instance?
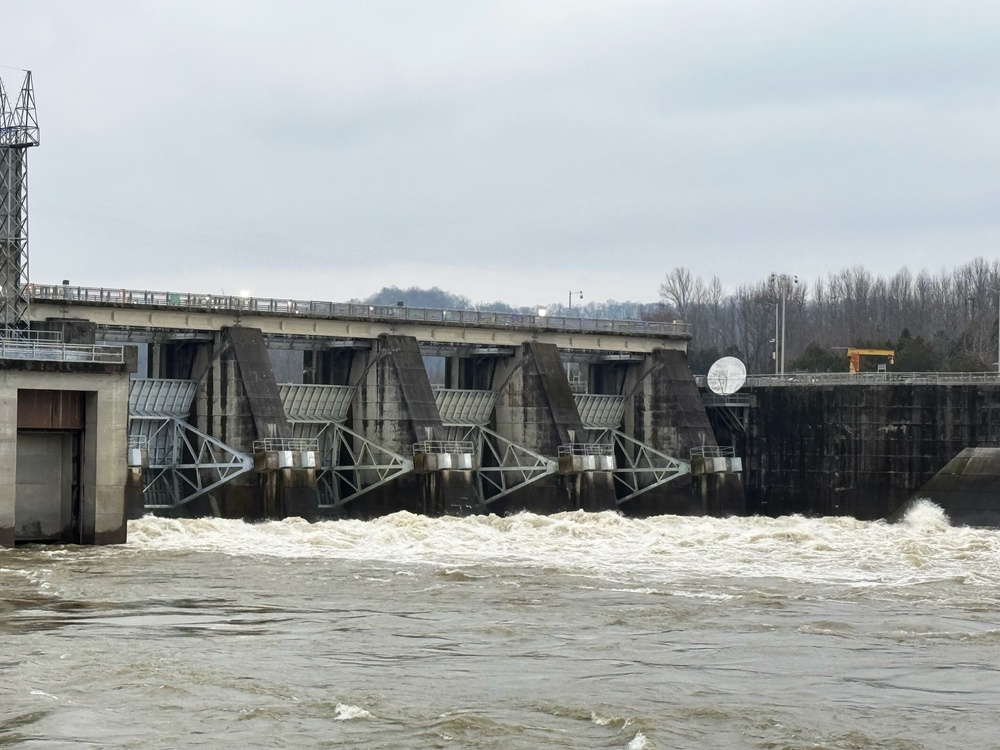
(536, 409)
(668, 413)
(63, 428)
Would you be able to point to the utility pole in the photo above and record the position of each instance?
(570, 306)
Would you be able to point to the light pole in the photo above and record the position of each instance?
(775, 339)
(784, 282)
(570, 306)
(997, 293)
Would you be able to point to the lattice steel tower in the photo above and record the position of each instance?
(18, 133)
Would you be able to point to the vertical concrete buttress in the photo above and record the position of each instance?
(396, 408)
(238, 403)
(536, 409)
(668, 414)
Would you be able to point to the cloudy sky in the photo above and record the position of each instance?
(504, 150)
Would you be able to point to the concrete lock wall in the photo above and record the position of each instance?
(860, 450)
(55, 491)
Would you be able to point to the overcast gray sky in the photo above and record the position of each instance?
(511, 150)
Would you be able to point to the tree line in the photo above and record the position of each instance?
(934, 322)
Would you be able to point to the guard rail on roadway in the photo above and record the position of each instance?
(349, 310)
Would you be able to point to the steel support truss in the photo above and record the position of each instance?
(501, 466)
(184, 462)
(349, 465)
(639, 468)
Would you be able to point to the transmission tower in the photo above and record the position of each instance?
(18, 133)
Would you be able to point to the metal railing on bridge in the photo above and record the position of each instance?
(351, 310)
(586, 449)
(873, 378)
(862, 378)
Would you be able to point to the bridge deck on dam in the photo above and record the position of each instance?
(139, 310)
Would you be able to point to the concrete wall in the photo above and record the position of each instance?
(967, 489)
(859, 450)
(103, 472)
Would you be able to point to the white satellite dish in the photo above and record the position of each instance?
(726, 376)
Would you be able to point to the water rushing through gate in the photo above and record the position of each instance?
(576, 630)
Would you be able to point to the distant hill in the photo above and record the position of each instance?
(440, 299)
(416, 297)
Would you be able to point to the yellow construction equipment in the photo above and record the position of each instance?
(854, 356)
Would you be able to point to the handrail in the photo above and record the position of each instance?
(274, 445)
(713, 451)
(32, 349)
(730, 399)
(586, 449)
(444, 446)
(376, 313)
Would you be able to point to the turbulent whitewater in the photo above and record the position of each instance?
(574, 630)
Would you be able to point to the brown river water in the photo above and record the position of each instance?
(570, 631)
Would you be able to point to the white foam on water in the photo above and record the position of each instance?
(638, 742)
(602, 721)
(921, 548)
(346, 713)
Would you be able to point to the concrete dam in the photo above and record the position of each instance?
(534, 413)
